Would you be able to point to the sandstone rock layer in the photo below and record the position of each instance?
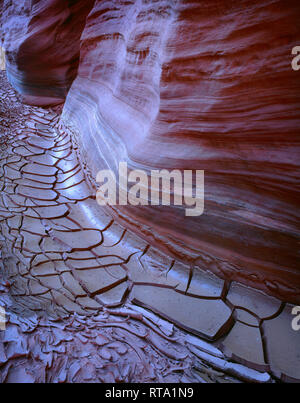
(86, 300)
(188, 85)
(201, 85)
(42, 39)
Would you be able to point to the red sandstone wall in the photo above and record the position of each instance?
(41, 38)
(189, 85)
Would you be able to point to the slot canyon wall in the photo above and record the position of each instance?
(42, 40)
(180, 84)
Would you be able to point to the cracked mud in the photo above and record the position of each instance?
(88, 301)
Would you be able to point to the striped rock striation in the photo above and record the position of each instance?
(181, 85)
(42, 39)
(82, 299)
(117, 294)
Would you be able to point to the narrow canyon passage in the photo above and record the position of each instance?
(88, 301)
(61, 264)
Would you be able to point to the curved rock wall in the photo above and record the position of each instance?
(42, 40)
(190, 85)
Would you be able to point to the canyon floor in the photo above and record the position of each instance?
(88, 301)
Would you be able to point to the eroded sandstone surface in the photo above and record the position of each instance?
(42, 39)
(158, 84)
(87, 300)
(188, 85)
